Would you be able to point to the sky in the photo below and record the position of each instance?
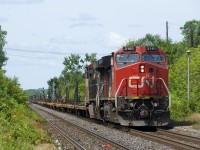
(53, 29)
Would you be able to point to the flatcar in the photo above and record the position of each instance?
(129, 87)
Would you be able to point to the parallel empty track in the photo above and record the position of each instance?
(168, 138)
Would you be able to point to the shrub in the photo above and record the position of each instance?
(16, 118)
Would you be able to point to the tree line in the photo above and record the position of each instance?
(62, 88)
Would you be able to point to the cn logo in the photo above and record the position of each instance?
(143, 81)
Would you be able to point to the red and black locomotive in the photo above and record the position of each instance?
(129, 87)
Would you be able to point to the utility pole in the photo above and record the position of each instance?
(191, 37)
(167, 27)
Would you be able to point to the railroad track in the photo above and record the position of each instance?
(73, 142)
(182, 137)
(69, 139)
(170, 138)
(63, 134)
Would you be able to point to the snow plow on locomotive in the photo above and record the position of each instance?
(130, 87)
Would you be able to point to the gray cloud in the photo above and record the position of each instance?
(20, 1)
(62, 40)
(2, 19)
(84, 20)
(83, 17)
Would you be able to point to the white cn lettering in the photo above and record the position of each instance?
(148, 82)
(137, 78)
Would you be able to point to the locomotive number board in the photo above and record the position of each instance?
(151, 48)
(129, 48)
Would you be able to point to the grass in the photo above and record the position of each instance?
(194, 119)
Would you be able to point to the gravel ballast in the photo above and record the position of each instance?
(130, 141)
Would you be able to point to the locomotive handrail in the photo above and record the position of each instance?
(99, 89)
(118, 91)
(167, 91)
(169, 94)
(98, 83)
(97, 95)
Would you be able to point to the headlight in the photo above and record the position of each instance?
(142, 69)
(156, 104)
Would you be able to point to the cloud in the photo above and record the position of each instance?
(57, 40)
(64, 40)
(84, 20)
(115, 39)
(134, 25)
(20, 1)
(82, 24)
(83, 17)
(2, 19)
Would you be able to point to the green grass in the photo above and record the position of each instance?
(194, 119)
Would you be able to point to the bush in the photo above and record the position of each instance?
(181, 107)
(16, 118)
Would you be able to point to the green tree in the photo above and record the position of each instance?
(50, 89)
(148, 40)
(3, 58)
(90, 58)
(191, 33)
(181, 107)
(73, 71)
(173, 50)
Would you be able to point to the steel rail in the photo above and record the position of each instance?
(164, 140)
(69, 139)
(179, 136)
(114, 143)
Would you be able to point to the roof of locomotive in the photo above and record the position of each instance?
(139, 49)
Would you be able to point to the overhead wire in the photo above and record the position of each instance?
(45, 52)
(33, 57)
(39, 52)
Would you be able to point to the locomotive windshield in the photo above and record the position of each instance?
(124, 59)
(153, 57)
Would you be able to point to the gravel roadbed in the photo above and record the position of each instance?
(186, 130)
(130, 141)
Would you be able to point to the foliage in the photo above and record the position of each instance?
(3, 58)
(54, 88)
(178, 85)
(64, 86)
(191, 33)
(16, 117)
(173, 50)
(35, 92)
